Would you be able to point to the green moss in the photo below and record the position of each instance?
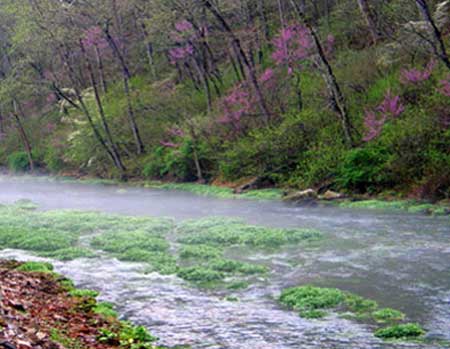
(36, 267)
(388, 315)
(422, 208)
(403, 331)
(359, 305)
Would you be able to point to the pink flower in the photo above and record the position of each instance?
(374, 124)
(292, 45)
(414, 76)
(183, 26)
(445, 87)
(267, 75)
(179, 53)
(391, 106)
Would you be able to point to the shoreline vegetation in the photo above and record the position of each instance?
(42, 309)
(289, 195)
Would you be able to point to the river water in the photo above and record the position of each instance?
(400, 260)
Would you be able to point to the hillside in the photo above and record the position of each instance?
(351, 95)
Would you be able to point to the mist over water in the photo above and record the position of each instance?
(400, 260)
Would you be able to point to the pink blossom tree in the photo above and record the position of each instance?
(374, 120)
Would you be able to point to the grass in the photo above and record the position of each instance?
(69, 254)
(314, 302)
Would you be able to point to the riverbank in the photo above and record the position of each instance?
(41, 309)
(230, 191)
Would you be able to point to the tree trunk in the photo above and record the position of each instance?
(330, 78)
(101, 71)
(23, 135)
(439, 46)
(113, 147)
(370, 22)
(140, 149)
(240, 52)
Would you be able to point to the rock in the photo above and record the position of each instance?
(305, 195)
(331, 195)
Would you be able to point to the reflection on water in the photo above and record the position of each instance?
(400, 260)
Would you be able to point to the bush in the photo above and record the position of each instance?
(18, 162)
(363, 169)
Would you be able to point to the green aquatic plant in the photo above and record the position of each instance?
(120, 242)
(402, 331)
(68, 254)
(200, 274)
(387, 315)
(226, 232)
(314, 302)
(235, 267)
(308, 298)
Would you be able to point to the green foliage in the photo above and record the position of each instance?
(403, 331)
(38, 267)
(105, 309)
(313, 302)
(18, 162)
(388, 315)
(202, 252)
(200, 274)
(84, 293)
(229, 232)
(363, 170)
(312, 298)
(69, 253)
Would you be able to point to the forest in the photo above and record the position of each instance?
(348, 95)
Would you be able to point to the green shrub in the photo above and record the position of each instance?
(363, 170)
(18, 162)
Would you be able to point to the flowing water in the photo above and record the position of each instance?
(400, 260)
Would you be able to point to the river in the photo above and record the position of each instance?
(400, 260)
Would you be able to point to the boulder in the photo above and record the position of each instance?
(331, 195)
(305, 195)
